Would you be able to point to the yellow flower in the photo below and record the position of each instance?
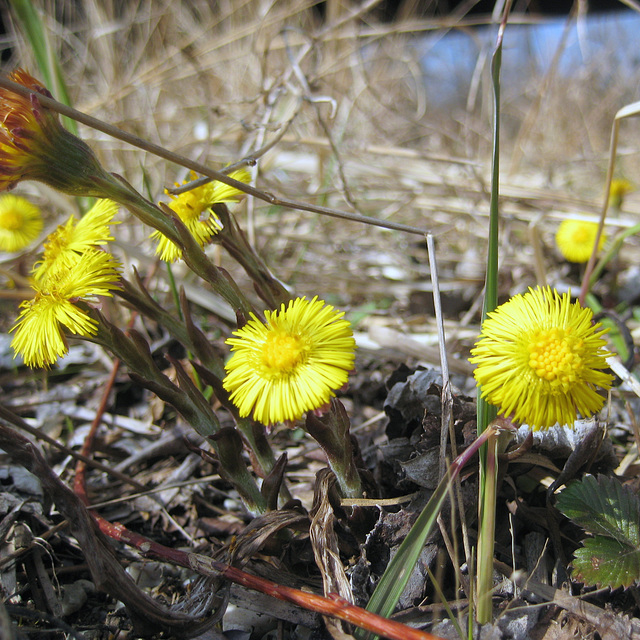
(576, 239)
(618, 190)
(38, 329)
(74, 238)
(194, 208)
(35, 146)
(292, 364)
(20, 223)
(539, 358)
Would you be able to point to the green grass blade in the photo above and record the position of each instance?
(443, 600)
(395, 578)
(491, 290)
(35, 32)
(487, 412)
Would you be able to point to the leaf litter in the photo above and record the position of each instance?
(380, 155)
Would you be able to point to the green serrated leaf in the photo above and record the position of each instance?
(610, 511)
(604, 561)
(604, 507)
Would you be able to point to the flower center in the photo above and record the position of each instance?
(581, 235)
(190, 206)
(58, 241)
(11, 220)
(554, 355)
(282, 352)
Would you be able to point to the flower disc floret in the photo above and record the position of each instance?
(194, 208)
(576, 239)
(38, 330)
(540, 358)
(20, 223)
(290, 364)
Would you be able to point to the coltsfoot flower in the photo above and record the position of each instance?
(38, 330)
(20, 223)
(617, 192)
(76, 237)
(539, 359)
(35, 146)
(194, 208)
(576, 239)
(291, 364)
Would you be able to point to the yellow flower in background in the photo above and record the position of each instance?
(76, 237)
(35, 146)
(291, 364)
(194, 208)
(20, 223)
(38, 330)
(576, 239)
(539, 359)
(618, 190)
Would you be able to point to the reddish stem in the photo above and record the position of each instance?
(333, 605)
(79, 482)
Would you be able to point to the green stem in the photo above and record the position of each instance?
(612, 250)
(234, 240)
(395, 578)
(120, 191)
(331, 432)
(253, 433)
(264, 455)
(176, 302)
(348, 478)
(486, 412)
(487, 526)
(174, 290)
(133, 350)
(184, 332)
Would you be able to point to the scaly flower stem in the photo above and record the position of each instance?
(254, 435)
(347, 477)
(252, 431)
(184, 331)
(174, 290)
(211, 370)
(258, 443)
(176, 302)
(169, 225)
(233, 239)
(134, 351)
(331, 432)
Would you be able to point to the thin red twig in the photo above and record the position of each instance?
(79, 482)
(333, 605)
